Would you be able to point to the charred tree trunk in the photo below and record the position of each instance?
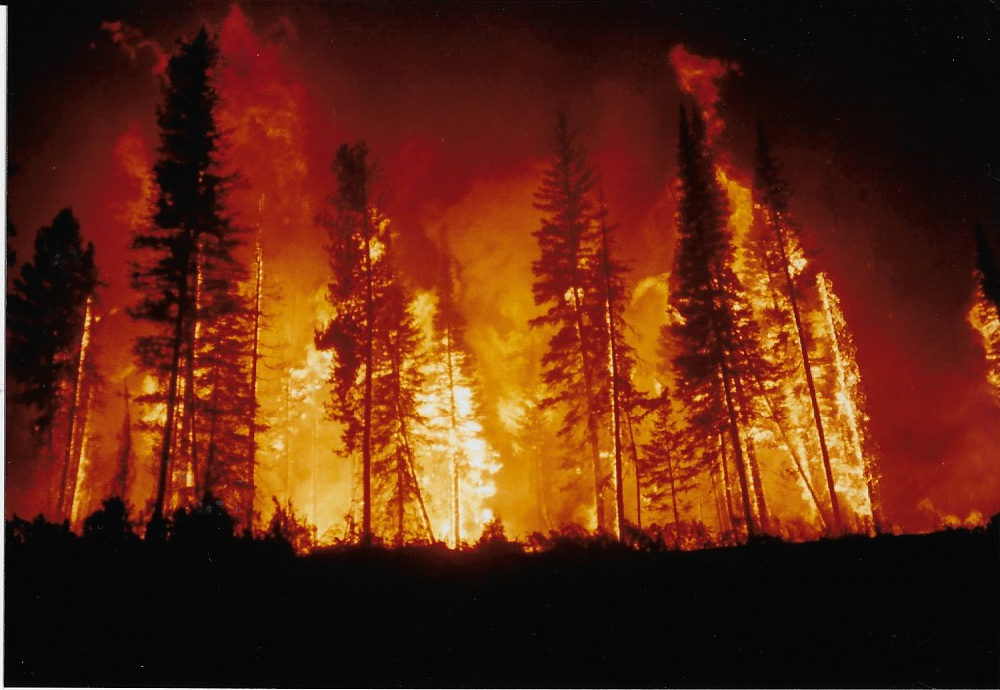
(208, 481)
(673, 499)
(173, 375)
(400, 498)
(125, 453)
(718, 500)
(726, 484)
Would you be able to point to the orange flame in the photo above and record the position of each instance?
(698, 77)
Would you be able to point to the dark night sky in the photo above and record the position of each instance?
(884, 115)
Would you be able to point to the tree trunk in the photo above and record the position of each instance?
(635, 465)
(734, 434)
(77, 497)
(407, 447)
(542, 488)
(366, 441)
(807, 367)
(726, 484)
(126, 451)
(673, 501)
(796, 460)
(592, 426)
(190, 386)
(70, 458)
(400, 498)
(254, 357)
(286, 439)
(208, 482)
(456, 525)
(718, 500)
(190, 439)
(615, 403)
(168, 426)
(758, 486)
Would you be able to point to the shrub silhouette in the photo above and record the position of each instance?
(289, 528)
(110, 525)
(207, 526)
(39, 533)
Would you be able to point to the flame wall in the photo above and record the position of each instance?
(458, 109)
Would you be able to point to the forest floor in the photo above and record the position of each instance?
(918, 610)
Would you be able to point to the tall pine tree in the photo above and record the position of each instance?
(569, 282)
(185, 272)
(376, 370)
(714, 334)
(49, 318)
(46, 311)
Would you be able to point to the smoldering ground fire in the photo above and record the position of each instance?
(456, 170)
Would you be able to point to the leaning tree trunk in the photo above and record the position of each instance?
(408, 465)
(758, 486)
(786, 439)
(807, 367)
(635, 465)
(70, 458)
(722, 359)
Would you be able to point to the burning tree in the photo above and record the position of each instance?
(376, 372)
(716, 339)
(586, 363)
(985, 312)
(620, 362)
(458, 453)
(49, 318)
(188, 276)
(771, 197)
(811, 392)
(666, 466)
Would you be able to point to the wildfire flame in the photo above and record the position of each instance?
(845, 425)
(485, 447)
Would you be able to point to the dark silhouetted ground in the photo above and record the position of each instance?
(893, 611)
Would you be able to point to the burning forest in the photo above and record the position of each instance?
(641, 315)
(466, 297)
